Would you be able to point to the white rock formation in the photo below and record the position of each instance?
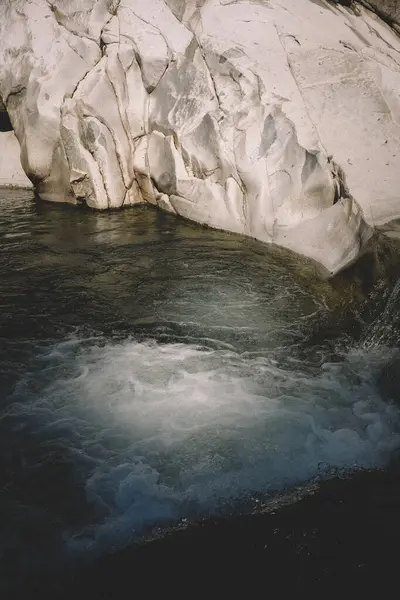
(11, 171)
(277, 119)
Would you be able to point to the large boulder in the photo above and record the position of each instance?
(277, 119)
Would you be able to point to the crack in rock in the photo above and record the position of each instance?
(251, 122)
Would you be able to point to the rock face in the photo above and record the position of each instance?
(388, 9)
(278, 119)
(11, 172)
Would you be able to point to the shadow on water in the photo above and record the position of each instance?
(152, 371)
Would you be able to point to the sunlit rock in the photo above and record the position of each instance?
(276, 119)
(11, 172)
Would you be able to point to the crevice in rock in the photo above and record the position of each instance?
(113, 9)
(347, 3)
(214, 85)
(378, 35)
(138, 58)
(235, 174)
(361, 37)
(82, 201)
(155, 186)
(113, 13)
(150, 89)
(339, 177)
(99, 166)
(150, 25)
(175, 12)
(139, 62)
(100, 120)
(5, 122)
(382, 14)
(15, 92)
(82, 80)
(299, 89)
(125, 125)
(59, 19)
(76, 52)
(240, 183)
(61, 112)
(342, 191)
(78, 179)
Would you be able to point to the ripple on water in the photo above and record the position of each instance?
(152, 370)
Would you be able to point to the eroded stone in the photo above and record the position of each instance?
(278, 120)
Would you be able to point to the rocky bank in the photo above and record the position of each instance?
(277, 119)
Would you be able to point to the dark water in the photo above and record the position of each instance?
(152, 371)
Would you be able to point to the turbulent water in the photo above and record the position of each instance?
(153, 371)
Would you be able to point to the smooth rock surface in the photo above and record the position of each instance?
(277, 119)
(11, 172)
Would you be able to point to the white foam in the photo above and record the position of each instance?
(169, 431)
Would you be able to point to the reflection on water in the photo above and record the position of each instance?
(152, 370)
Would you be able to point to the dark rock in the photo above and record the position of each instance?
(342, 537)
(388, 10)
(343, 2)
(5, 123)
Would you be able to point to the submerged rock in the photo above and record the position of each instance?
(277, 120)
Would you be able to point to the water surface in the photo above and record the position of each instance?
(152, 371)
